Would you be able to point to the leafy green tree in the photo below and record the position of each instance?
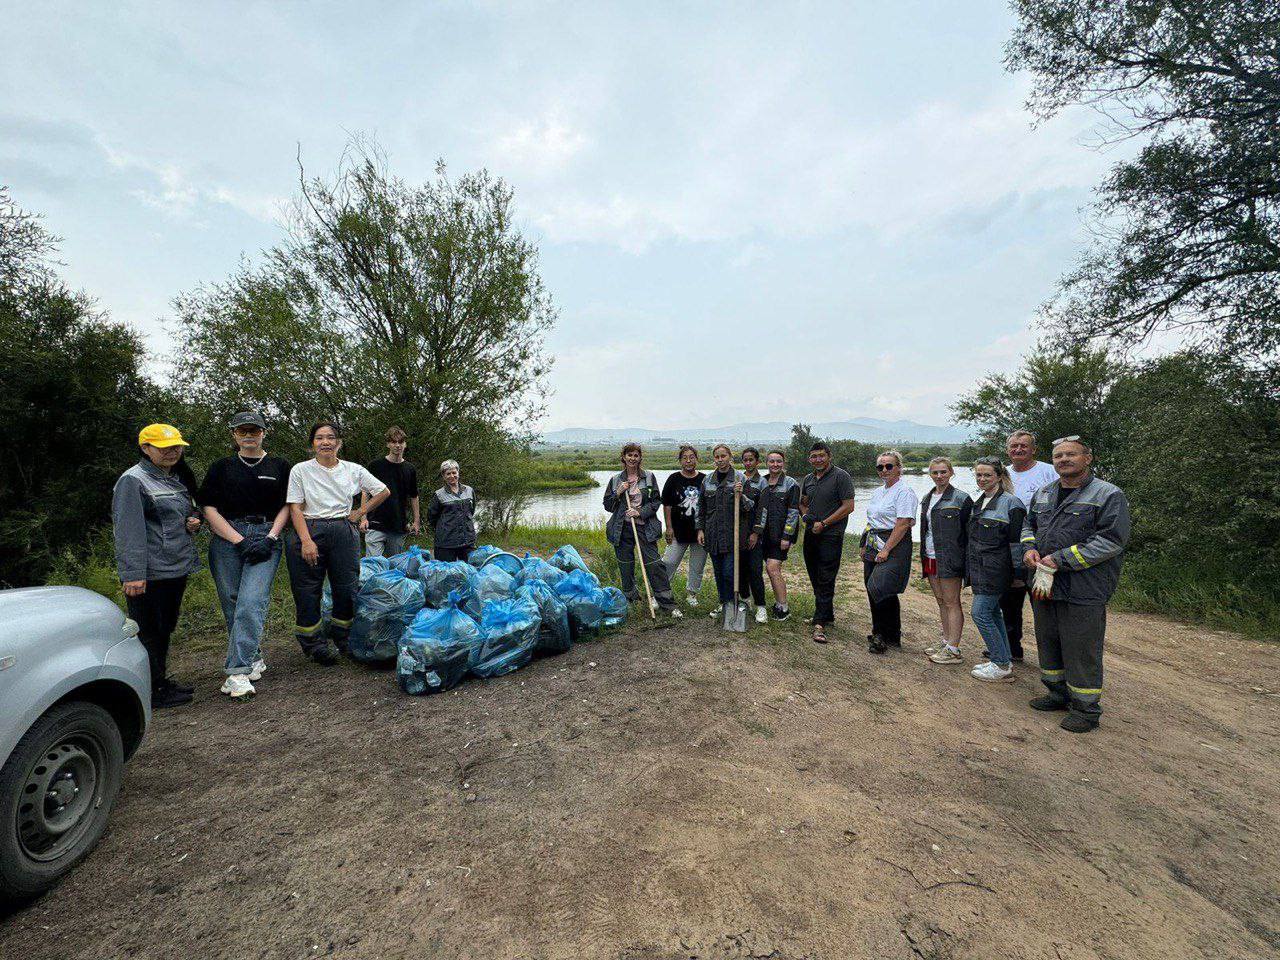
(852, 455)
(1189, 230)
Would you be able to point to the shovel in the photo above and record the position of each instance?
(735, 614)
(644, 574)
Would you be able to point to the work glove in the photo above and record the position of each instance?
(1042, 582)
(255, 548)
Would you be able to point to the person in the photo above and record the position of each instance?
(993, 554)
(154, 520)
(826, 500)
(632, 498)
(781, 499)
(326, 540)
(385, 528)
(680, 496)
(715, 522)
(452, 515)
(751, 562)
(243, 501)
(1076, 528)
(886, 551)
(1028, 475)
(944, 533)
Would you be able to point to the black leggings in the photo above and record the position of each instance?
(156, 614)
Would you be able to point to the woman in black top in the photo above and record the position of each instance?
(243, 498)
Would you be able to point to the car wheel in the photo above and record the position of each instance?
(56, 793)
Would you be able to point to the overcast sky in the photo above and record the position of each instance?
(745, 211)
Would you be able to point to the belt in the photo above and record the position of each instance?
(253, 518)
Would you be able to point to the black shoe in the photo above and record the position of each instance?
(632, 597)
(1017, 658)
(1048, 702)
(325, 657)
(166, 696)
(781, 613)
(173, 684)
(875, 643)
(894, 642)
(1077, 723)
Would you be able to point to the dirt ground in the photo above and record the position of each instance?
(677, 792)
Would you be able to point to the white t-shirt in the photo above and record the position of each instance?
(1027, 482)
(888, 504)
(327, 492)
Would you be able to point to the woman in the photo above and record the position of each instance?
(154, 521)
(680, 496)
(751, 561)
(781, 508)
(632, 498)
(715, 522)
(994, 549)
(944, 523)
(886, 551)
(326, 540)
(243, 501)
(451, 514)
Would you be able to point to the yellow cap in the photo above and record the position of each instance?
(161, 435)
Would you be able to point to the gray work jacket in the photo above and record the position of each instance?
(1085, 536)
(993, 551)
(451, 517)
(781, 506)
(715, 518)
(149, 510)
(647, 523)
(948, 517)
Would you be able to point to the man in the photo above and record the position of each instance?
(385, 527)
(751, 567)
(1028, 475)
(826, 500)
(1076, 527)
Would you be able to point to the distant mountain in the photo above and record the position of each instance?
(866, 429)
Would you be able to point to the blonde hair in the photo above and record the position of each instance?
(897, 457)
(947, 460)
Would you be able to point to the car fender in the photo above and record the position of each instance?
(40, 688)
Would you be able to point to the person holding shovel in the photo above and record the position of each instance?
(722, 487)
(633, 499)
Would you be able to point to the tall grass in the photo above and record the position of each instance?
(1201, 595)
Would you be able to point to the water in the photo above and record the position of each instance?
(584, 508)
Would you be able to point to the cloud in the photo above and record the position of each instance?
(541, 145)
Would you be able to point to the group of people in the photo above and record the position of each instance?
(1054, 529)
(249, 500)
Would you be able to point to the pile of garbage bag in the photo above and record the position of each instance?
(385, 605)
(479, 555)
(491, 582)
(508, 562)
(410, 561)
(369, 566)
(439, 578)
(535, 568)
(581, 593)
(509, 633)
(438, 648)
(554, 634)
(568, 559)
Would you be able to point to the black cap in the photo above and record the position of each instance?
(247, 418)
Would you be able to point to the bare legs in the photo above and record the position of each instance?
(946, 590)
(774, 569)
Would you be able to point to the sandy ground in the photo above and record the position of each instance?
(677, 792)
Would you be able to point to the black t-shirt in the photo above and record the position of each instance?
(237, 490)
(680, 493)
(825, 494)
(402, 480)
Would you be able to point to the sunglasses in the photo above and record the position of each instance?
(1074, 438)
(247, 431)
(885, 467)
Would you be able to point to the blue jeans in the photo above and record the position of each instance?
(720, 565)
(245, 593)
(989, 620)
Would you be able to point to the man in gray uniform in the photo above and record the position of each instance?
(1077, 527)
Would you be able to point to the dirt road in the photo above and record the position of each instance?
(680, 793)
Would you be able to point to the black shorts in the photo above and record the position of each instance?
(774, 551)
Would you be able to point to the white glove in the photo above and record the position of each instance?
(1042, 582)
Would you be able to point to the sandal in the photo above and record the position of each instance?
(819, 634)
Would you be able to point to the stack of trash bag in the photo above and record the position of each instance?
(535, 568)
(410, 561)
(369, 566)
(614, 607)
(508, 562)
(439, 578)
(554, 635)
(491, 582)
(438, 648)
(580, 591)
(479, 555)
(509, 633)
(568, 559)
(386, 604)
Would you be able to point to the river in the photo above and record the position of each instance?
(583, 508)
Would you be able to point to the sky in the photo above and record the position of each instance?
(756, 212)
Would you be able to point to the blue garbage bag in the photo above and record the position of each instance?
(439, 578)
(568, 559)
(369, 566)
(535, 568)
(491, 582)
(615, 606)
(437, 648)
(554, 636)
(479, 555)
(410, 561)
(384, 607)
(509, 632)
(508, 562)
(581, 593)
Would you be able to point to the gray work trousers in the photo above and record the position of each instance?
(697, 563)
(1069, 637)
(379, 543)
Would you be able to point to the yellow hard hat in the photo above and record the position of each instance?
(161, 435)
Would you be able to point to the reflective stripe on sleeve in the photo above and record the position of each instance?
(1075, 550)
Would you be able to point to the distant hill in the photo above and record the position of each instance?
(866, 429)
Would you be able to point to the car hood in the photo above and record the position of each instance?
(51, 612)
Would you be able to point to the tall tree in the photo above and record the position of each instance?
(1189, 230)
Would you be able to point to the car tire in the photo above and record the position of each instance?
(56, 793)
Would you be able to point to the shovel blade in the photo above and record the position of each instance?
(735, 618)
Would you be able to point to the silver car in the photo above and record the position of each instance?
(74, 704)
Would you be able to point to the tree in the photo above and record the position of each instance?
(1189, 230)
(856, 457)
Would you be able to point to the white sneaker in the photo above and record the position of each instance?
(676, 614)
(992, 673)
(716, 611)
(930, 651)
(762, 615)
(258, 669)
(691, 600)
(946, 654)
(237, 685)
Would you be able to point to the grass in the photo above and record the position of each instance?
(552, 474)
(1202, 596)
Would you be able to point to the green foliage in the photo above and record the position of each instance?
(854, 456)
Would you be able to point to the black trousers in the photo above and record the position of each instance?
(751, 574)
(659, 583)
(886, 616)
(156, 614)
(1011, 602)
(822, 561)
(339, 544)
(451, 554)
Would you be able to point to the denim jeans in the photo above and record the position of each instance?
(245, 592)
(989, 620)
(720, 566)
(697, 563)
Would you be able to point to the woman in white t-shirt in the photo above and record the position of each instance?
(886, 551)
(326, 540)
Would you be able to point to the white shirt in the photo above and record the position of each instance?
(928, 536)
(888, 504)
(1027, 482)
(327, 492)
